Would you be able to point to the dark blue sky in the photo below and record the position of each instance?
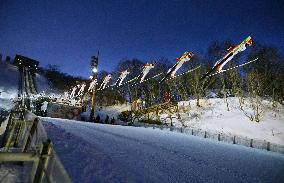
(67, 32)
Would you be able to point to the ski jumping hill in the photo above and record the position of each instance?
(9, 82)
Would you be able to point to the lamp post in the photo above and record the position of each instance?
(94, 67)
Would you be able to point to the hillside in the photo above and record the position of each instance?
(214, 117)
(9, 79)
(45, 86)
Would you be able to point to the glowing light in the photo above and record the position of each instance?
(91, 77)
(95, 70)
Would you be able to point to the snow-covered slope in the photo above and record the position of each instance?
(44, 86)
(9, 79)
(111, 153)
(213, 116)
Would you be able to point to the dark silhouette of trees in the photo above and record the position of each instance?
(59, 80)
(269, 69)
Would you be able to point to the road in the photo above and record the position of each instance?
(106, 153)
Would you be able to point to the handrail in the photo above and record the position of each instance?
(36, 148)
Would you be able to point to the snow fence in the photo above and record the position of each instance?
(227, 138)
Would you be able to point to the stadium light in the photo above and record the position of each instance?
(94, 70)
(94, 67)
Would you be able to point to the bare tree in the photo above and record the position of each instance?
(255, 83)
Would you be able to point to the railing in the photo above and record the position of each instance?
(25, 142)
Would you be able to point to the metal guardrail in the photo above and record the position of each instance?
(25, 140)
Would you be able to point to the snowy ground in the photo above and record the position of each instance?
(213, 116)
(110, 153)
(111, 111)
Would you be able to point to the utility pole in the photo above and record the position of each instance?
(94, 67)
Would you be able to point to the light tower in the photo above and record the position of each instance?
(94, 68)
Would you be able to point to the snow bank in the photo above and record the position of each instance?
(214, 117)
(111, 111)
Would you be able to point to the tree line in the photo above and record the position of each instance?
(263, 78)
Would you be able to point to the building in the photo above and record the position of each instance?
(22, 61)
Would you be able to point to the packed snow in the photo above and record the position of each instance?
(111, 153)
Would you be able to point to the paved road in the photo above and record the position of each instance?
(106, 153)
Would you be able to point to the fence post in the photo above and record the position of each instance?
(268, 146)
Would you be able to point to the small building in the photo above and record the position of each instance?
(22, 61)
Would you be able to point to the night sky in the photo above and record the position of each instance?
(67, 32)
